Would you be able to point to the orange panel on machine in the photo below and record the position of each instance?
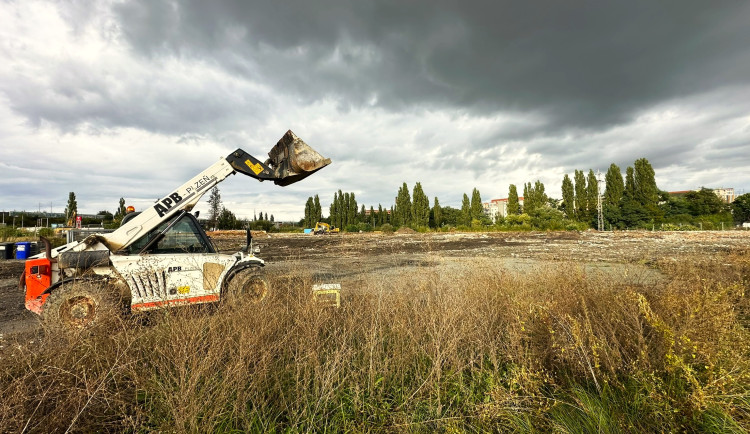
(38, 278)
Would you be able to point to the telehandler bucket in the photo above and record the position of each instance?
(290, 160)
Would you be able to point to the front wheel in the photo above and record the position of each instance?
(248, 284)
(81, 305)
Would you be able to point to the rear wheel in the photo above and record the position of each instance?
(81, 305)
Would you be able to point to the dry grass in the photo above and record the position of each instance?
(484, 351)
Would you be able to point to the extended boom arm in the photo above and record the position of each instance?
(290, 160)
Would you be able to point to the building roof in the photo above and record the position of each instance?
(520, 198)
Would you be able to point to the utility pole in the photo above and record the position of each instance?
(600, 214)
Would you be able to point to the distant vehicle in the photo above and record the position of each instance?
(325, 229)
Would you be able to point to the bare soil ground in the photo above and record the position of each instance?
(348, 258)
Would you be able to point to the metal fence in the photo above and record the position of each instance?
(80, 234)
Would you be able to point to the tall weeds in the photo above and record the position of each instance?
(476, 350)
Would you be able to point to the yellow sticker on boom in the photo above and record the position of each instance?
(256, 168)
(183, 289)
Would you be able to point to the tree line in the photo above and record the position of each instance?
(411, 209)
(632, 200)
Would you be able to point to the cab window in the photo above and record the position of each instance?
(185, 236)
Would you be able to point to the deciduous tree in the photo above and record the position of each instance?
(437, 213)
(226, 220)
(402, 209)
(741, 208)
(513, 207)
(592, 198)
(420, 209)
(613, 190)
(579, 181)
(72, 208)
(317, 210)
(121, 210)
(646, 192)
(705, 202)
(477, 209)
(214, 207)
(633, 213)
(568, 197)
(465, 211)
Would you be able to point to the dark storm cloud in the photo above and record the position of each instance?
(575, 63)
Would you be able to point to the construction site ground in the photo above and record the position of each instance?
(349, 258)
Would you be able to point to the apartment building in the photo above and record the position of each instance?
(498, 207)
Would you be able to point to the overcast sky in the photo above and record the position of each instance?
(132, 98)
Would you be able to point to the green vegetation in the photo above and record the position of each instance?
(554, 350)
(343, 211)
(214, 208)
(513, 206)
(741, 208)
(71, 209)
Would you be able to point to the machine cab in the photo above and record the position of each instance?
(184, 235)
(174, 263)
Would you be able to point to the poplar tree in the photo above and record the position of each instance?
(214, 207)
(332, 213)
(613, 191)
(353, 209)
(646, 192)
(72, 208)
(373, 222)
(347, 210)
(528, 201)
(420, 209)
(568, 197)
(580, 200)
(309, 212)
(592, 197)
(340, 210)
(534, 197)
(632, 212)
(317, 210)
(121, 210)
(476, 205)
(513, 207)
(539, 194)
(466, 210)
(437, 213)
(402, 210)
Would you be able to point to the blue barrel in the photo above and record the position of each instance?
(23, 250)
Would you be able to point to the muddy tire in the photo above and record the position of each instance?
(248, 285)
(81, 306)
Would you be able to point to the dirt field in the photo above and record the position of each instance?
(347, 258)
